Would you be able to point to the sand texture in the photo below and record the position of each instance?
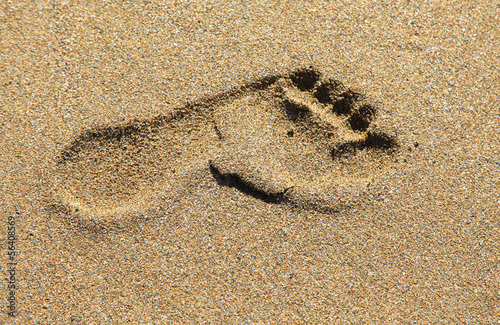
(187, 162)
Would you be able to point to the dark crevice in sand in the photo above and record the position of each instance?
(217, 131)
(343, 104)
(305, 79)
(374, 141)
(326, 91)
(295, 111)
(235, 181)
(360, 120)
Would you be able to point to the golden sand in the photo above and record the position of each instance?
(257, 163)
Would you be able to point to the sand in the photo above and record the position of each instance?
(253, 163)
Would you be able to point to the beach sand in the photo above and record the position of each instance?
(252, 163)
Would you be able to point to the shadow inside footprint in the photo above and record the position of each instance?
(235, 181)
(305, 79)
(373, 141)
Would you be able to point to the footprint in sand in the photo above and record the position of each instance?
(297, 139)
